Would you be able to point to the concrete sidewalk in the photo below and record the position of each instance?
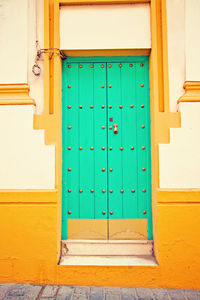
(53, 292)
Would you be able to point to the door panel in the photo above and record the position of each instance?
(100, 140)
(70, 155)
(106, 176)
(86, 141)
(128, 229)
(123, 160)
(129, 140)
(84, 114)
(115, 183)
(87, 229)
(143, 144)
(127, 94)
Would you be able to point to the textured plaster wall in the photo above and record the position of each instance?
(29, 248)
(21, 24)
(176, 50)
(192, 42)
(179, 160)
(26, 162)
(36, 33)
(105, 27)
(13, 41)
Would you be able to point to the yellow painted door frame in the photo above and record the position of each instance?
(161, 118)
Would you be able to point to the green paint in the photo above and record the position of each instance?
(86, 131)
(129, 139)
(100, 140)
(103, 59)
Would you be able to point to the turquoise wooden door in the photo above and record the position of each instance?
(106, 146)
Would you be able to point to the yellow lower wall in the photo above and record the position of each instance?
(28, 251)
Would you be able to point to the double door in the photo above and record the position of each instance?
(106, 148)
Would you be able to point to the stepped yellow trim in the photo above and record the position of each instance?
(161, 119)
(28, 196)
(178, 195)
(15, 94)
(192, 92)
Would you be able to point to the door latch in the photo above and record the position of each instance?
(115, 128)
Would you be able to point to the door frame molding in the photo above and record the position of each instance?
(161, 118)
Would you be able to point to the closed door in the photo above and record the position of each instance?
(106, 149)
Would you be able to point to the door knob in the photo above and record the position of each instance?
(115, 128)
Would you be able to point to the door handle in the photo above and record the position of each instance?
(115, 128)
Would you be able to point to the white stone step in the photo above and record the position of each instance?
(107, 248)
(147, 260)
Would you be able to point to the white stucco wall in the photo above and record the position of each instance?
(105, 26)
(192, 41)
(19, 29)
(26, 162)
(21, 24)
(36, 32)
(176, 50)
(13, 41)
(179, 161)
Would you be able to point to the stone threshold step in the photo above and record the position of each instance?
(108, 261)
(106, 248)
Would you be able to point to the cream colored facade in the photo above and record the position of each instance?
(19, 51)
(123, 27)
(180, 160)
(26, 162)
(30, 134)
